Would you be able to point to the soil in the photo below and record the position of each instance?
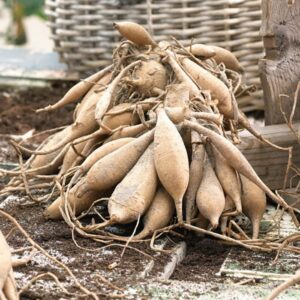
(56, 237)
(18, 116)
(17, 110)
(203, 260)
(204, 257)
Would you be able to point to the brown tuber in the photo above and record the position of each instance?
(135, 33)
(171, 160)
(210, 196)
(253, 203)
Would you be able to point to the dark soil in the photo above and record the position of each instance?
(203, 260)
(204, 257)
(17, 110)
(18, 116)
(56, 237)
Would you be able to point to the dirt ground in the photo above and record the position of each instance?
(203, 260)
(56, 238)
(204, 257)
(18, 116)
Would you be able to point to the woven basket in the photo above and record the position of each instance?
(84, 36)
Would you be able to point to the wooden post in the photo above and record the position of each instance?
(280, 69)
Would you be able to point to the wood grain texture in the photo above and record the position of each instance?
(291, 197)
(280, 69)
(269, 163)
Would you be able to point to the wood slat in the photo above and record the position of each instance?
(270, 163)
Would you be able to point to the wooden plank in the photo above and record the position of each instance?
(181, 289)
(291, 197)
(270, 163)
(259, 265)
(280, 69)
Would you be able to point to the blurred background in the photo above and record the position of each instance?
(85, 37)
(23, 23)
